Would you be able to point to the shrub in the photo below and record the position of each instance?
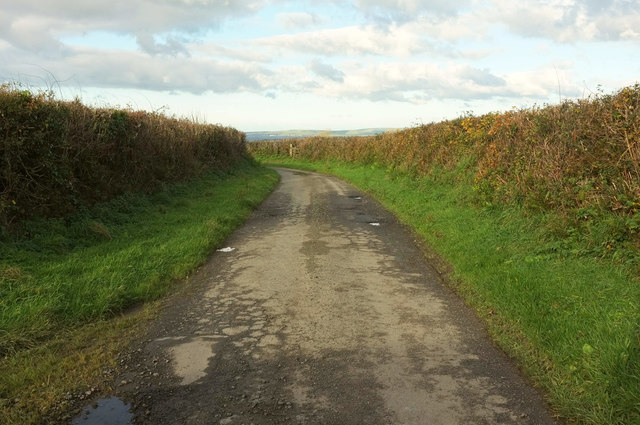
(581, 155)
(60, 156)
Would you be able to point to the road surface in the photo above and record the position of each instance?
(325, 312)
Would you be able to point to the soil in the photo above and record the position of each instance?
(325, 311)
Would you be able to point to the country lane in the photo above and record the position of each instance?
(325, 311)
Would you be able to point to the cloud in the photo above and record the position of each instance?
(171, 46)
(36, 25)
(482, 77)
(350, 41)
(570, 20)
(131, 15)
(296, 20)
(326, 71)
(133, 69)
(402, 11)
(244, 53)
(421, 82)
(563, 21)
(464, 26)
(33, 33)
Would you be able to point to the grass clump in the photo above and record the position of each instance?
(571, 320)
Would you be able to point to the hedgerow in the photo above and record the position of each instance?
(57, 157)
(579, 160)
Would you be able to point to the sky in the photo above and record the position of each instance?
(329, 65)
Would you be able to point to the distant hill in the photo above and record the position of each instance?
(292, 134)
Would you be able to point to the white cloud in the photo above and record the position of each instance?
(408, 10)
(324, 70)
(36, 25)
(150, 45)
(569, 20)
(296, 20)
(465, 26)
(132, 15)
(422, 82)
(369, 40)
(482, 77)
(132, 69)
(244, 53)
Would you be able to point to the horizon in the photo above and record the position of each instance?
(264, 65)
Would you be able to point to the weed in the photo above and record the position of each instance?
(99, 229)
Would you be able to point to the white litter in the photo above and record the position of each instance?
(375, 224)
(357, 198)
(227, 249)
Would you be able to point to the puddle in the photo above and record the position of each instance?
(107, 411)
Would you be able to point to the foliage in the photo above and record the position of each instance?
(579, 160)
(58, 157)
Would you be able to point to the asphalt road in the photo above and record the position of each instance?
(325, 312)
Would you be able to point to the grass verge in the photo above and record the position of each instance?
(44, 384)
(60, 279)
(571, 321)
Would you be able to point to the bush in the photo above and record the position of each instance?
(60, 156)
(578, 156)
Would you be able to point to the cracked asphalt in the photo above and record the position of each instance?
(325, 312)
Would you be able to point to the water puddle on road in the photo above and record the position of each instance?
(106, 411)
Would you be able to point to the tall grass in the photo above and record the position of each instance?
(58, 157)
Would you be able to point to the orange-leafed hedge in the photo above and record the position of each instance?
(580, 158)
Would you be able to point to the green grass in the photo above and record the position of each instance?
(42, 384)
(60, 272)
(63, 281)
(571, 321)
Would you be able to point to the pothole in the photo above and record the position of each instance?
(106, 411)
(191, 358)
